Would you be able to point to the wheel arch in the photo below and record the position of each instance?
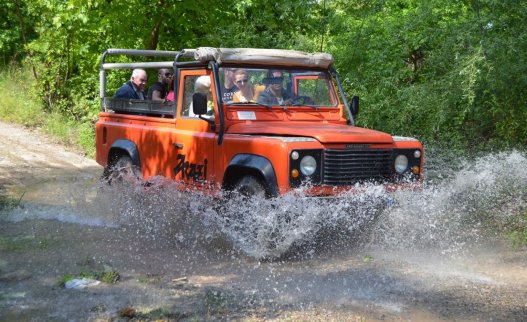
(251, 164)
(123, 146)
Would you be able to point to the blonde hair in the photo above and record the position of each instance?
(240, 72)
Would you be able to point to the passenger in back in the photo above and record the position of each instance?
(229, 88)
(159, 90)
(134, 88)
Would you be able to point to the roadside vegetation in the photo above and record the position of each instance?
(451, 73)
(20, 103)
(517, 231)
(106, 275)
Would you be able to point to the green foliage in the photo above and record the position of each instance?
(16, 30)
(64, 279)
(106, 275)
(518, 231)
(216, 302)
(8, 202)
(440, 70)
(23, 243)
(17, 101)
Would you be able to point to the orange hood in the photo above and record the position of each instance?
(324, 133)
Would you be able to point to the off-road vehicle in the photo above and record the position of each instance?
(306, 140)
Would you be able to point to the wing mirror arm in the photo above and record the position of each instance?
(199, 107)
(211, 122)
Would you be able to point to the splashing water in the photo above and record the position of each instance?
(448, 212)
(445, 215)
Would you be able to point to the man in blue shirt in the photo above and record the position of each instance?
(134, 88)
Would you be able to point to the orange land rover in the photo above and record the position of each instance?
(294, 130)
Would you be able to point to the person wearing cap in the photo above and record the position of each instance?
(274, 93)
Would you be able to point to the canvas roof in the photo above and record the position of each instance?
(258, 56)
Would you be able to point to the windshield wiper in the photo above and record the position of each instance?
(249, 103)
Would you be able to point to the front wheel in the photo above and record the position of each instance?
(122, 170)
(249, 186)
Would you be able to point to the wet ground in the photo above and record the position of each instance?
(428, 258)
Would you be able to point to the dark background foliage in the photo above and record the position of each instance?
(442, 70)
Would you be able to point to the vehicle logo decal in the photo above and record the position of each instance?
(197, 172)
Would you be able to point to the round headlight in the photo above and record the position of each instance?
(417, 154)
(401, 163)
(294, 155)
(308, 165)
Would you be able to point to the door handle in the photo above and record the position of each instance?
(178, 145)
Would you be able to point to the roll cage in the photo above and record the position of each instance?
(211, 58)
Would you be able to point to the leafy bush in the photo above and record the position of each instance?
(17, 97)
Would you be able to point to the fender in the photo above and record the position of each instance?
(127, 146)
(259, 164)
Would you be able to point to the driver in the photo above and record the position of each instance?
(274, 93)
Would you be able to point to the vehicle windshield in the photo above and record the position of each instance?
(277, 87)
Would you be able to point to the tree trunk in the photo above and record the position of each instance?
(156, 29)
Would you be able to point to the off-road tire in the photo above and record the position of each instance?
(250, 186)
(121, 170)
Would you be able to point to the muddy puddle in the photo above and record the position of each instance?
(428, 255)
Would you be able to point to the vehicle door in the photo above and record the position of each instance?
(194, 142)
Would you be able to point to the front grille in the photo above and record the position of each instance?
(347, 167)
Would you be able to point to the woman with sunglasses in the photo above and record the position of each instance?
(246, 92)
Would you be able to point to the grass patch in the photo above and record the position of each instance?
(518, 232)
(23, 243)
(150, 279)
(71, 133)
(17, 101)
(59, 127)
(158, 314)
(216, 302)
(8, 203)
(19, 104)
(106, 275)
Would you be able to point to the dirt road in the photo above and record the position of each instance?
(174, 264)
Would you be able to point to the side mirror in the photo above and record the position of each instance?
(355, 105)
(199, 104)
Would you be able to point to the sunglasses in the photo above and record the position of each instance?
(168, 74)
(276, 80)
(241, 81)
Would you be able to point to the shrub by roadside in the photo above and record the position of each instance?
(19, 104)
